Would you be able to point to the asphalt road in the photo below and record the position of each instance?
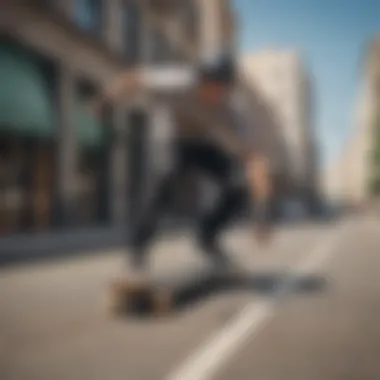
(314, 314)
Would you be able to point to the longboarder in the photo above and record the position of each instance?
(214, 137)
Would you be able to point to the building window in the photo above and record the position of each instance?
(89, 15)
(49, 4)
(160, 51)
(27, 153)
(12, 191)
(190, 18)
(92, 182)
(26, 185)
(132, 33)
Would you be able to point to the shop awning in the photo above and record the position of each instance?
(25, 103)
(25, 107)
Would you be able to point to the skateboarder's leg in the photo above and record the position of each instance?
(220, 167)
(146, 226)
(230, 202)
(166, 189)
(133, 282)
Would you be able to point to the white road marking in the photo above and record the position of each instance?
(207, 360)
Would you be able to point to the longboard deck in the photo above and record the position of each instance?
(166, 294)
(161, 296)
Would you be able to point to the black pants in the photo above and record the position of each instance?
(211, 161)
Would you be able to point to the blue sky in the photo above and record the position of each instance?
(332, 36)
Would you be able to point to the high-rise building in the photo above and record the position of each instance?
(282, 79)
(359, 176)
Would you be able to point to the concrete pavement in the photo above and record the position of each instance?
(335, 335)
(53, 324)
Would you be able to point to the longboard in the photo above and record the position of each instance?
(162, 295)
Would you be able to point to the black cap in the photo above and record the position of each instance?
(221, 70)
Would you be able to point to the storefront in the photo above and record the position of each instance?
(27, 143)
(30, 149)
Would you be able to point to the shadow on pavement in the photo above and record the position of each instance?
(191, 293)
(267, 284)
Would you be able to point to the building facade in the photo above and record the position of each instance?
(61, 169)
(69, 179)
(360, 175)
(283, 81)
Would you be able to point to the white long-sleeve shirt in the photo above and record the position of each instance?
(227, 125)
(230, 125)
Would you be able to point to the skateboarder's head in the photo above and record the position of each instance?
(216, 79)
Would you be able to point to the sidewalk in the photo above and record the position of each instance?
(16, 250)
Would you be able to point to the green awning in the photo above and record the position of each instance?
(25, 107)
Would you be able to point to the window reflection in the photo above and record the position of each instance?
(191, 20)
(12, 194)
(88, 15)
(160, 52)
(27, 156)
(26, 185)
(92, 182)
(132, 33)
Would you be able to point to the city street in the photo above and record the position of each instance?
(313, 314)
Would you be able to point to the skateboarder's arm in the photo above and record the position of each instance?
(261, 186)
(257, 158)
(260, 178)
(163, 82)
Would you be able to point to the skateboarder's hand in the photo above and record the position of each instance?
(126, 85)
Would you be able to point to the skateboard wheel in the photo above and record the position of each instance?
(121, 295)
